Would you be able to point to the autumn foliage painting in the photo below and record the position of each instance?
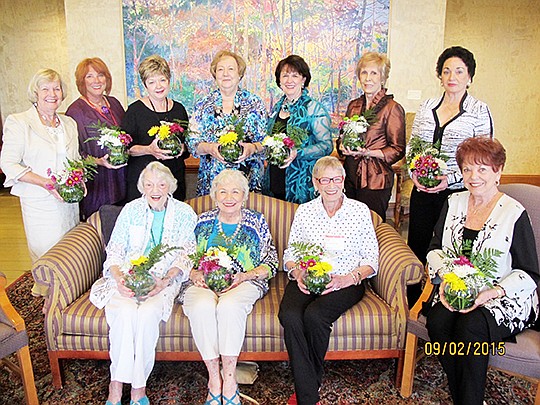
(330, 35)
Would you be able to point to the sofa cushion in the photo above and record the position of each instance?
(369, 325)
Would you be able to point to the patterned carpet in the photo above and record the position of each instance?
(345, 382)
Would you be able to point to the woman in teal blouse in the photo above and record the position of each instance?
(292, 181)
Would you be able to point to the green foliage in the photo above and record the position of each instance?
(154, 256)
(296, 134)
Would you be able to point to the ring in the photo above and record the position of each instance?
(336, 288)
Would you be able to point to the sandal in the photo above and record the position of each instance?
(228, 401)
(141, 401)
(110, 403)
(215, 399)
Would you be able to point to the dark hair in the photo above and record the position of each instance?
(481, 150)
(295, 63)
(457, 52)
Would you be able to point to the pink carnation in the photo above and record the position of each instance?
(463, 261)
(288, 142)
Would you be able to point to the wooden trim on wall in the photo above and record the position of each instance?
(533, 179)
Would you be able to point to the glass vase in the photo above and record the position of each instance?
(71, 194)
(460, 299)
(277, 156)
(231, 152)
(429, 180)
(353, 140)
(172, 144)
(118, 155)
(141, 283)
(316, 284)
(218, 280)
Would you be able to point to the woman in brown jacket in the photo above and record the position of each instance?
(369, 170)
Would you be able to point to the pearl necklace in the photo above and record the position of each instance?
(229, 239)
(54, 122)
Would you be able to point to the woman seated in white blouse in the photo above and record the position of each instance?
(154, 220)
(343, 228)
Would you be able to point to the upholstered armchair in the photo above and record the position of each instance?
(522, 358)
(13, 339)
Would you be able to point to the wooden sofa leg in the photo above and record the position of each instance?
(27, 375)
(537, 397)
(399, 369)
(409, 365)
(56, 371)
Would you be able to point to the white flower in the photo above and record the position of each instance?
(463, 271)
(441, 163)
(224, 259)
(358, 127)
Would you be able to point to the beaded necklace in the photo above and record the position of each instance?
(229, 239)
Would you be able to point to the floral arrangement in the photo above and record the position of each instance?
(114, 139)
(426, 160)
(229, 138)
(218, 266)
(170, 136)
(466, 276)
(278, 145)
(139, 277)
(70, 181)
(353, 129)
(311, 258)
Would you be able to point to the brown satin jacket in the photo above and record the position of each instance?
(386, 134)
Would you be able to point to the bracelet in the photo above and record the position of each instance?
(289, 272)
(500, 291)
(354, 277)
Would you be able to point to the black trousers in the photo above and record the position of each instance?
(466, 373)
(307, 321)
(376, 200)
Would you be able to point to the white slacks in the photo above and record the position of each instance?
(133, 335)
(46, 221)
(218, 322)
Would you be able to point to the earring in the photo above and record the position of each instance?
(316, 192)
(497, 182)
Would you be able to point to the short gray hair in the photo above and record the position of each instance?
(162, 171)
(327, 162)
(44, 76)
(228, 176)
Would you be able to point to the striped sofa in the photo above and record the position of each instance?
(74, 328)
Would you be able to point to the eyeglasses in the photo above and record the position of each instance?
(327, 180)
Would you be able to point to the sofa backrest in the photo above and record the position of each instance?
(279, 215)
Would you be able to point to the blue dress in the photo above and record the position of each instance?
(209, 119)
(311, 115)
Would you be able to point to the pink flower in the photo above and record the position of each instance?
(463, 261)
(176, 128)
(288, 142)
(311, 263)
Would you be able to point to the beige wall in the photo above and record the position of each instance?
(505, 39)
(32, 36)
(503, 35)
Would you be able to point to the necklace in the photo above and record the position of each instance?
(287, 104)
(166, 105)
(49, 122)
(102, 109)
(229, 239)
(484, 207)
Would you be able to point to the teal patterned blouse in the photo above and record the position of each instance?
(207, 122)
(253, 243)
(311, 115)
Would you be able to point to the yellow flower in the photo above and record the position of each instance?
(456, 283)
(139, 261)
(153, 131)
(164, 131)
(228, 139)
(320, 269)
(413, 162)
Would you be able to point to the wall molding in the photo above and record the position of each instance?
(533, 179)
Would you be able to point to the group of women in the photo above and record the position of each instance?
(335, 200)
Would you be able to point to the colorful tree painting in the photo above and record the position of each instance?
(329, 34)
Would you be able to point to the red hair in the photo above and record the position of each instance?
(481, 150)
(82, 70)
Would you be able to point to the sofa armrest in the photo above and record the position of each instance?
(398, 267)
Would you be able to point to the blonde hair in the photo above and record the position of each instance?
(380, 59)
(228, 176)
(220, 55)
(327, 162)
(44, 76)
(84, 67)
(153, 65)
(162, 172)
